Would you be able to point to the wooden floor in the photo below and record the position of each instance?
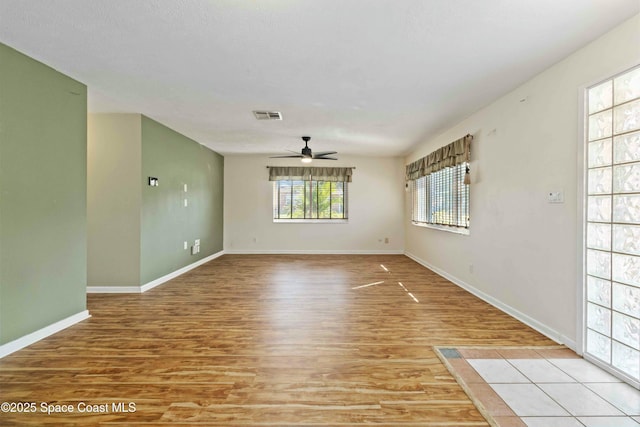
(265, 340)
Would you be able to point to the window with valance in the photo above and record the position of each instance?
(310, 194)
(440, 186)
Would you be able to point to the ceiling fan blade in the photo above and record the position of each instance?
(307, 154)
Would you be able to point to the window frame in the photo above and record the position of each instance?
(589, 297)
(445, 179)
(315, 220)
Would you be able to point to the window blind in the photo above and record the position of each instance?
(440, 195)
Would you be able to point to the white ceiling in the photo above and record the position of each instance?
(359, 76)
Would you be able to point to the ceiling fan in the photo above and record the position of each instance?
(306, 155)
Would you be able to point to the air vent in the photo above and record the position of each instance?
(268, 115)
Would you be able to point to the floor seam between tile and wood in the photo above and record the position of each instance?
(570, 391)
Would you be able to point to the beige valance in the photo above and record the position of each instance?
(298, 173)
(450, 155)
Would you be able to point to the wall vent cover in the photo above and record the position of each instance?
(268, 115)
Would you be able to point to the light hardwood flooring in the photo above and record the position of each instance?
(267, 340)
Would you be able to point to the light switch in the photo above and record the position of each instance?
(555, 197)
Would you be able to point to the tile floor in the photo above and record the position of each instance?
(542, 387)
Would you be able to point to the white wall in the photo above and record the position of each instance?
(376, 208)
(523, 252)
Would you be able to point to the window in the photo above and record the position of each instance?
(442, 198)
(310, 194)
(440, 191)
(309, 199)
(612, 237)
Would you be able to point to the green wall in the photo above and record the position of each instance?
(43, 134)
(165, 222)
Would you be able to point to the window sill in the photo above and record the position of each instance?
(455, 230)
(312, 221)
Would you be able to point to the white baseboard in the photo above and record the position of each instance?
(166, 278)
(153, 283)
(113, 289)
(36, 336)
(312, 252)
(527, 320)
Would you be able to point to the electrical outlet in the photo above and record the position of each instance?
(386, 240)
(186, 203)
(186, 246)
(196, 247)
(185, 188)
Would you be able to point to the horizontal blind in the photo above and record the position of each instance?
(420, 200)
(442, 198)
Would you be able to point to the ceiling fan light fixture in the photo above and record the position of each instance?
(306, 160)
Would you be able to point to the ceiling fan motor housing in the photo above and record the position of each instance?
(306, 151)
